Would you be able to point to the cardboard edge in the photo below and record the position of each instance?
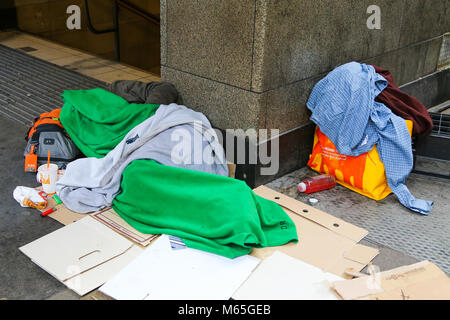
(143, 244)
(98, 264)
(354, 288)
(231, 170)
(326, 220)
(361, 254)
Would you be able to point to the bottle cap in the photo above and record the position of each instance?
(302, 187)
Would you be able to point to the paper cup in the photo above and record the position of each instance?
(48, 177)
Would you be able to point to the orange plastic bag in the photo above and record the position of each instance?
(364, 174)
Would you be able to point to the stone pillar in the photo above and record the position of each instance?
(252, 63)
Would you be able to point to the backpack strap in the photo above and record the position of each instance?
(34, 124)
(30, 128)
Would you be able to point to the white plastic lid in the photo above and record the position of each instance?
(302, 187)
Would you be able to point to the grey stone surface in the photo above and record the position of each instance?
(388, 222)
(252, 64)
(280, 49)
(212, 39)
(285, 107)
(388, 258)
(163, 31)
(444, 57)
(65, 294)
(227, 107)
(412, 62)
(300, 39)
(275, 43)
(434, 166)
(19, 277)
(424, 19)
(294, 149)
(432, 89)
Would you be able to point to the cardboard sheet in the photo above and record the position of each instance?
(419, 281)
(161, 272)
(231, 170)
(95, 277)
(106, 216)
(281, 277)
(111, 219)
(62, 214)
(83, 255)
(325, 241)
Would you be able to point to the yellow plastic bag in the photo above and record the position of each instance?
(364, 174)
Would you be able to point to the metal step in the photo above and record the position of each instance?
(30, 86)
(436, 146)
(441, 124)
(440, 107)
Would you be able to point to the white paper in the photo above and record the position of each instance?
(161, 273)
(281, 277)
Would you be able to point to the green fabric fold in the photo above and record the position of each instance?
(97, 120)
(212, 213)
(209, 212)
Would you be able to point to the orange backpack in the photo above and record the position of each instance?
(46, 135)
(51, 118)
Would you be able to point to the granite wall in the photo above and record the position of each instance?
(252, 63)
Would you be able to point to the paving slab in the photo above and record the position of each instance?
(389, 223)
(19, 277)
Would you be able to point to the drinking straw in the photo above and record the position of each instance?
(48, 159)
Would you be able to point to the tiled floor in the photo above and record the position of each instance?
(74, 59)
(18, 285)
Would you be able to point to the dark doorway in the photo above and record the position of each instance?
(8, 15)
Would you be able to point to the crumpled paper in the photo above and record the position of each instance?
(29, 197)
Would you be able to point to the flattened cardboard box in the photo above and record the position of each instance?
(62, 214)
(82, 255)
(325, 241)
(282, 277)
(107, 216)
(110, 218)
(419, 281)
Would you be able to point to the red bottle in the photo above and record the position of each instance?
(317, 183)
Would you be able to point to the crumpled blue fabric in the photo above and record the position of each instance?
(343, 106)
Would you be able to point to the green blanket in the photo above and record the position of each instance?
(97, 120)
(209, 212)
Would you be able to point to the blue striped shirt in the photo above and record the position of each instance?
(343, 106)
